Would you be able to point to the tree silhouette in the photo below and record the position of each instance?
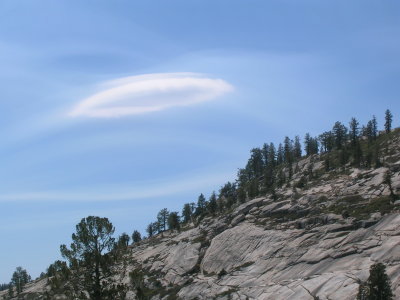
(136, 236)
(19, 278)
(388, 121)
(90, 260)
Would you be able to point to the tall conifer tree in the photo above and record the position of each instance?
(388, 121)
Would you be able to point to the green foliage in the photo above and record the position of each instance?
(271, 162)
(58, 273)
(387, 179)
(229, 194)
(57, 267)
(339, 134)
(187, 212)
(288, 150)
(94, 251)
(10, 291)
(152, 228)
(354, 130)
(141, 280)
(162, 219)
(137, 280)
(268, 169)
(212, 206)
(123, 240)
(255, 164)
(379, 283)
(359, 208)
(297, 148)
(174, 221)
(241, 195)
(201, 206)
(19, 278)
(136, 236)
(311, 145)
(388, 121)
(377, 286)
(326, 140)
(279, 155)
(90, 260)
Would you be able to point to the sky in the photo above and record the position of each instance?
(121, 108)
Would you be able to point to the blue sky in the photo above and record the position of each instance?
(83, 132)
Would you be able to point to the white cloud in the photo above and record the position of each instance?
(149, 93)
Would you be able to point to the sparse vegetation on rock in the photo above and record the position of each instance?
(377, 286)
(289, 227)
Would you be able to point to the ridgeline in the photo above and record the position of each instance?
(292, 226)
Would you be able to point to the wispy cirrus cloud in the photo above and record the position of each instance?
(162, 188)
(149, 93)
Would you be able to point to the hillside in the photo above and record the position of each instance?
(314, 237)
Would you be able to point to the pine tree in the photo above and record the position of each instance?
(326, 141)
(279, 156)
(281, 178)
(297, 147)
(271, 156)
(314, 146)
(287, 150)
(374, 127)
(136, 236)
(253, 188)
(150, 229)
(339, 133)
(157, 227)
(355, 144)
(265, 155)
(255, 164)
(212, 204)
(241, 195)
(269, 178)
(90, 259)
(307, 144)
(201, 205)
(174, 221)
(369, 132)
(56, 267)
(242, 178)
(123, 240)
(354, 130)
(228, 192)
(378, 285)
(19, 278)
(162, 219)
(388, 121)
(343, 156)
(4, 286)
(10, 291)
(187, 213)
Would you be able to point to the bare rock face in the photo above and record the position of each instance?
(181, 259)
(313, 242)
(296, 264)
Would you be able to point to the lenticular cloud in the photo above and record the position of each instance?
(149, 93)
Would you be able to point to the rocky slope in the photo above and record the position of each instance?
(313, 242)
